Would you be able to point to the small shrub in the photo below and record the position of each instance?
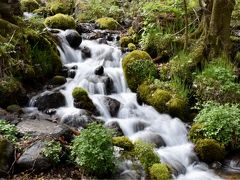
(125, 40)
(29, 5)
(139, 71)
(123, 142)
(107, 23)
(221, 123)
(145, 153)
(131, 47)
(92, 150)
(53, 151)
(60, 21)
(8, 131)
(210, 150)
(160, 171)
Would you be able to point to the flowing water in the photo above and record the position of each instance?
(136, 121)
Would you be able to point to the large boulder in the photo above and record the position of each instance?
(50, 100)
(73, 37)
(114, 125)
(32, 158)
(6, 156)
(112, 105)
(107, 23)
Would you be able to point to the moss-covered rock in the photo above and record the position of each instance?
(139, 71)
(60, 21)
(123, 142)
(159, 100)
(210, 150)
(160, 171)
(107, 23)
(145, 154)
(176, 107)
(82, 100)
(196, 132)
(133, 56)
(11, 92)
(58, 6)
(14, 108)
(6, 28)
(125, 40)
(58, 80)
(145, 91)
(131, 47)
(29, 5)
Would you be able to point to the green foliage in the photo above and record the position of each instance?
(217, 83)
(221, 123)
(139, 71)
(196, 132)
(145, 153)
(123, 142)
(52, 151)
(160, 171)
(210, 150)
(58, 80)
(36, 23)
(7, 28)
(79, 93)
(29, 5)
(133, 56)
(237, 58)
(131, 47)
(8, 131)
(92, 150)
(107, 23)
(60, 21)
(60, 6)
(125, 40)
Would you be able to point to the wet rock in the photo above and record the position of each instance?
(58, 80)
(73, 37)
(109, 37)
(50, 100)
(64, 71)
(42, 128)
(85, 27)
(6, 156)
(32, 158)
(232, 163)
(102, 41)
(99, 70)
(154, 139)
(51, 111)
(14, 108)
(86, 52)
(139, 126)
(113, 106)
(178, 168)
(116, 127)
(75, 67)
(80, 120)
(71, 74)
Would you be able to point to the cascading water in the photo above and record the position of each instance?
(136, 121)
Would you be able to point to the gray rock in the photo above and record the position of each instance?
(6, 156)
(113, 105)
(86, 52)
(154, 139)
(50, 100)
(41, 128)
(32, 158)
(99, 70)
(115, 126)
(73, 37)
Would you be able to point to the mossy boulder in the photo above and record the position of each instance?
(29, 5)
(196, 132)
(145, 91)
(145, 153)
(107, 23)
(58, 6)
(139, 71)
(125, 40)
(58, 80)
(133, 56)
(176, 107)
(131, 47)
(14, 108)
(159, 100)
(82, 100)
(11, 92)
(160, 171)
(209, 150)
(123, 142)
(60, 21)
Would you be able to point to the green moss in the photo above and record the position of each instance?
(11, 91)
(176, 107)
(29, 5)
(196, 132)
(82, 100)
(145, 154)
(58, 80)
(125, 40)
(123, 142)
(7, 28)
(58, 6)
(132, 47)
(159, 100)
(60, 21)
(237, 59)
(107, 23)
(145, 90)
(133, 56)
(78, 93)
(139, 71)
(14, 108)
(160, 171)
(210, 150)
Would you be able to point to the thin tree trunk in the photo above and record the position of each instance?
(186, 24)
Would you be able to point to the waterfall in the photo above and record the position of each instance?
(136, 121)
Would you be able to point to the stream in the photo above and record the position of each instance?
(136, 121)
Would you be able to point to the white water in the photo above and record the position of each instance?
(178, 152)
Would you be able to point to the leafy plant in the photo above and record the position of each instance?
(8, 131)
(221, 123)
(92, 150)
(53, 151)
